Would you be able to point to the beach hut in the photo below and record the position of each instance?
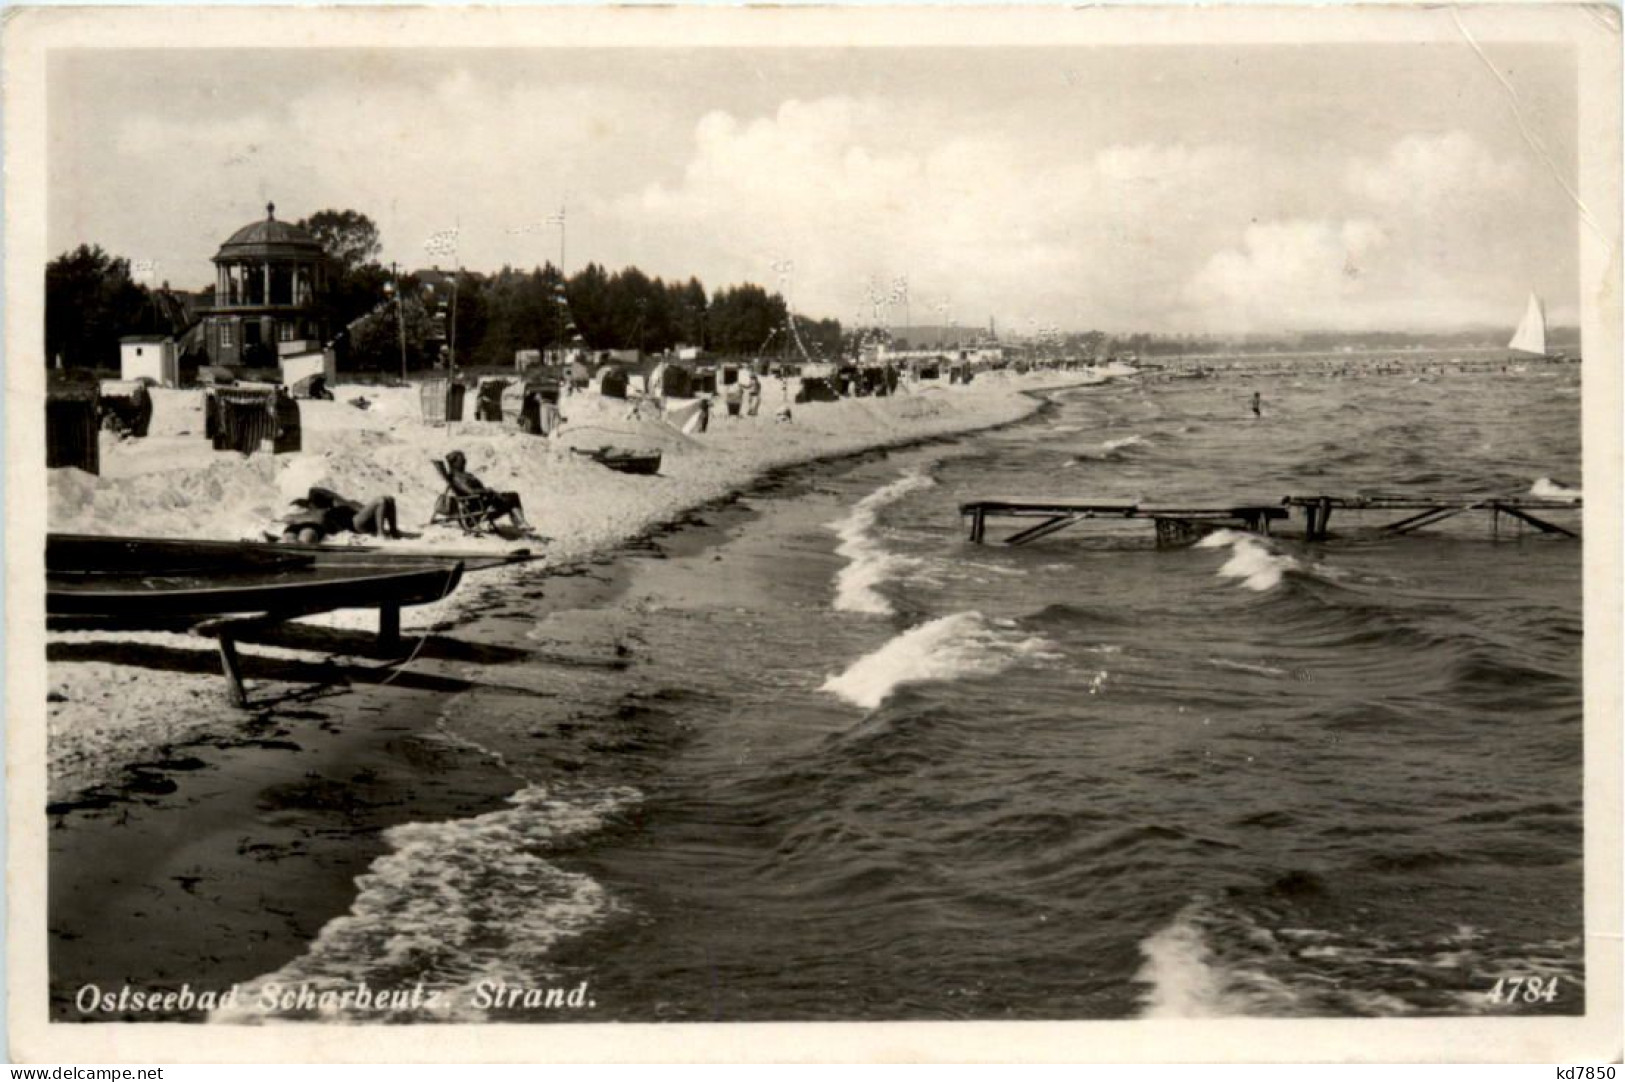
(531, 407)
(150, 356)
(126, 407)
(488, 399)
(72, 429)
(872, 381)
(611, 381)
(300, 366)
(255, 419)
(704, 381)
(442, 401)
(817, 389)
(671, 381)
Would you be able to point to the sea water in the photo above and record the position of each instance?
(850, 766)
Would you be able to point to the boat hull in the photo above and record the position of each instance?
(145, 580)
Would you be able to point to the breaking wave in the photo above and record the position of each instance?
(452, 905)
(947, 648)
(868, 563)
(1252, 561)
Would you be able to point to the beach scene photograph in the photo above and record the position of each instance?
(614, 522)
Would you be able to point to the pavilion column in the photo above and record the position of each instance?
(266, 268)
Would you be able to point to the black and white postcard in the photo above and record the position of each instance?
(556, 533)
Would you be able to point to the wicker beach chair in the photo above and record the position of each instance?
(474, 514)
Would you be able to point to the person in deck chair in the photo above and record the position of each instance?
(466, 484)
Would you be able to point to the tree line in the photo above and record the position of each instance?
(92, 300)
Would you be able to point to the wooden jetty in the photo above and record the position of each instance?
(1427, 510)
(1173, 523)
(1178, 524)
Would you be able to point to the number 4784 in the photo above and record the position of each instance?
(1524, 990)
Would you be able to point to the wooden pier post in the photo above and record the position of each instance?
(389, 626)
(232, 670)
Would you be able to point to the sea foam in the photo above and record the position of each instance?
(1547, 489)
(1185, 978)
(452, 905)
(868, 563)
(1179, 973)
(947, 648)
(1258, 566)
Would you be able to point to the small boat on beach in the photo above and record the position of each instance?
(224, 589)
(134, 580)
(623, 460)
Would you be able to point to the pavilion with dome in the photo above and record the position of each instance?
(268, 276)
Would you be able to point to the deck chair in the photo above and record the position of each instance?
(475, 514)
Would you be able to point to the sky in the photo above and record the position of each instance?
(1190, 189)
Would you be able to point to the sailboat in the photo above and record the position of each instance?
(1530, 337)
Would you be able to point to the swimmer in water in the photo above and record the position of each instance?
(1258, 404)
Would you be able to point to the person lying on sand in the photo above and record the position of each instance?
(323, 513)
(466, 484)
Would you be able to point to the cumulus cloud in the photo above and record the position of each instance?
(1118, 214)
(1289, 273)
(1429, 172)
(856, 190)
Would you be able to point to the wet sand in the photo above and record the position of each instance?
(221, 861)
(218, 862)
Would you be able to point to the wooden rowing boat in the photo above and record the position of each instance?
(224, 589)
(625, 461)
(131, 580)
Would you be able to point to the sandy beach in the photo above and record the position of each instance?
(228, 837)
(105, 715)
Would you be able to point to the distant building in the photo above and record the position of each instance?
(268, 276)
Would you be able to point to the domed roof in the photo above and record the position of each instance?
(269, 237)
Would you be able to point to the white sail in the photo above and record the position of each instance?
(1531, 334)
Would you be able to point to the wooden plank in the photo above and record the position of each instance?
(1043, 529)
(1045, 507)
(1539, 524)
(1426, 518)
(1424, 502)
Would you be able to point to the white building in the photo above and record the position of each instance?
(150, 356)
(312, 362)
